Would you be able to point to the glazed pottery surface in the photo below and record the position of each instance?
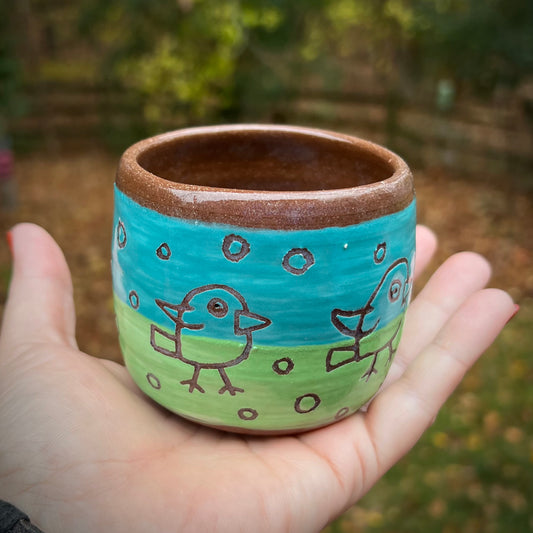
(261, 273)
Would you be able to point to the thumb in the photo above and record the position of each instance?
(39, 306)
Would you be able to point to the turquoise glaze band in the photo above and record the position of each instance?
(210, 315)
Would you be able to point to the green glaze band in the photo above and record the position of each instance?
(314, 398)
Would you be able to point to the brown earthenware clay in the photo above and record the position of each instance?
(261, 273)
(274, 177)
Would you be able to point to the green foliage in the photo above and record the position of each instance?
(483, 44)
(225, 59)
(177, 54)
(479, 44)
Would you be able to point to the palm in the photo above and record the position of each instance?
(78, 438)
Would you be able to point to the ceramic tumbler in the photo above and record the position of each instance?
(261, 274)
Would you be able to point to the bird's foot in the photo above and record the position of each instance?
(369, 372)
(231, 389)
(193, 385)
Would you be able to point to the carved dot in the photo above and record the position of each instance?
(235, 248)
(341, 413)
(395, 290)
(283, 366)
(315, 399)
(153, 381)
(163, 252)
(298, 261)
(133, 297)
(380, 252)
(121, 235)
(247, 413)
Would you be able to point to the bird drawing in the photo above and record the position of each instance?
(210, 309)
(391, 293)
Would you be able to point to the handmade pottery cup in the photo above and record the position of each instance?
(261, 273)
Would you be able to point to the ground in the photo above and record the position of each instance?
(472, 471)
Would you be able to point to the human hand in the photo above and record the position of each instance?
(82, 450)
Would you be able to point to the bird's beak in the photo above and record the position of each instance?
(192, 326)
(185, 308)
(351, 322)
(175, 312)
(346, 321)
(247, 322)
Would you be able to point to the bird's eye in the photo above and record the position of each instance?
(217, 307)
(395, 290)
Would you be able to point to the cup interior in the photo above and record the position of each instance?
(267, 160)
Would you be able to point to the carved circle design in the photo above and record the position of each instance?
(217, 307)
(395, 290)
(163, 252)
(380, 252)
(153, 381)
(133, 298)
(122, 238)
(247, 413)
(341, 413)
(232, 241)
(302, 253)
(298, 403)
(283, 366)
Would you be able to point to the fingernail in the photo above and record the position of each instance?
(516, 309)
(9, 239)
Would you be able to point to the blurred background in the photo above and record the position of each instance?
(448, 84)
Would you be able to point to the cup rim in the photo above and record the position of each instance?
(274, 209)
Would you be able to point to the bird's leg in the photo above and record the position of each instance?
(392, 349)
(389, 345)
(193, 382)
(372, 369)
(227, 384)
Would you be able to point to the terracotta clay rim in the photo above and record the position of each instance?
(266, 209)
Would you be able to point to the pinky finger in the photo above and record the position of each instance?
(397, 418)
